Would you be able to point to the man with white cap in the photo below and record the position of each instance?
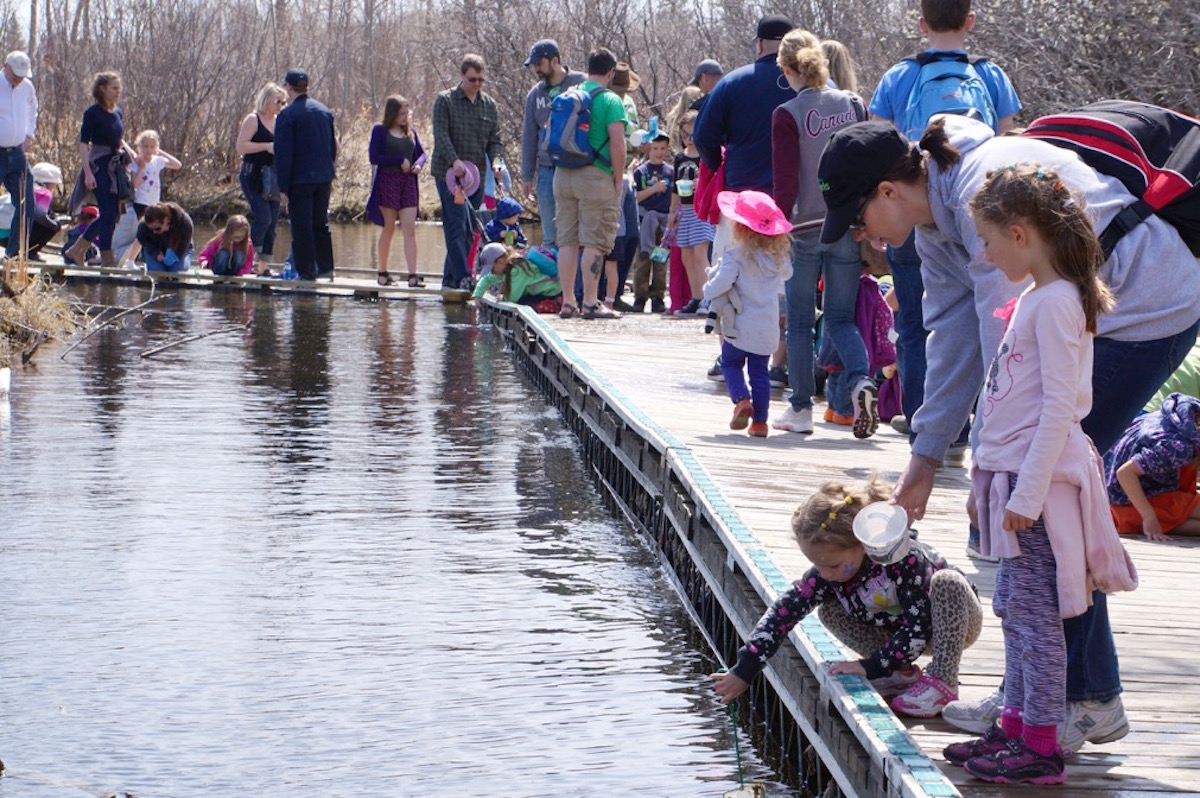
(18, 121)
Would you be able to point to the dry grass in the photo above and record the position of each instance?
(37, 314)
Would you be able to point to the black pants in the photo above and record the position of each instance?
(312, 243)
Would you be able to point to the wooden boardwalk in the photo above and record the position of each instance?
(660, 363)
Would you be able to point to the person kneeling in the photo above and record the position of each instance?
(165, 234)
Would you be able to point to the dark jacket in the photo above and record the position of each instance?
(737, 115)
(177, 238)
(305, 143)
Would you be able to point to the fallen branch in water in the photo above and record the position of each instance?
(196, 337)
(109, 321)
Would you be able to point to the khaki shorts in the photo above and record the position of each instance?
(587, 208)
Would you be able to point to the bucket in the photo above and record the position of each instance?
(882, 529)
(686, 188)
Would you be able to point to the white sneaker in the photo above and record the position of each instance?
(956, 455)
(793, 420)
(1092, 722)
(975, 716)
(865, 397)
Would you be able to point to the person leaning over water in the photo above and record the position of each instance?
(256, 145)
(101, 145)
(882, 187)
(165, 234)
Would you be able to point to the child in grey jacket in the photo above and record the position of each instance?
(756, 265)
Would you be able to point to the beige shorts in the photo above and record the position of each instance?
(587, 208)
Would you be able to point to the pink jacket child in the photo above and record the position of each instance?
(230, 252)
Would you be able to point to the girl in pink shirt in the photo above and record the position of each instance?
(230, 251)
(1036, 392)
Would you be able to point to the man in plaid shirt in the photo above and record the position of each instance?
(466, 128)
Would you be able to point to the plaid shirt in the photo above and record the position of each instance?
(464, 130)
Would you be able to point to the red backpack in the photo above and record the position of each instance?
(1153, 151)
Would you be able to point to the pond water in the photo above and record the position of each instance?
(345, 553)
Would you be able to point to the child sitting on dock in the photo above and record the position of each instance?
(87, 214)
(505, 228)
(519, 280)
(1151, 471)
(757, 263)
(230, 251)
(890, 614)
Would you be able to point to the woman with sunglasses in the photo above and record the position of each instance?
(882, 187)
(256, 145)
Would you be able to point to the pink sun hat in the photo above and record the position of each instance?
(756, 210)
(469, 181)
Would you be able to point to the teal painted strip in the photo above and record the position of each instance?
(866, 701)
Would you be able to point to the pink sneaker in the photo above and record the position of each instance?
(925, 699)
(897, 682)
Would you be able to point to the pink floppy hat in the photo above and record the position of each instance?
(756, 210)
(469, 181)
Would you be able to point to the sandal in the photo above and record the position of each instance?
(599, 311)
(568, 312)
(385, 279)
(416, 281)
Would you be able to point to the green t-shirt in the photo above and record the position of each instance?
(525, 279)
(607, 108)
(1185, 380)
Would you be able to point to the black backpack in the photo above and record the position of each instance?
(1153, 151)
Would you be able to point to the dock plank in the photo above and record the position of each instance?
(660, 364)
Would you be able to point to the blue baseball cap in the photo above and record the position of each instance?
(544, 48)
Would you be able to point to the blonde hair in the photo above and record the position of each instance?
(800, 51)
(686, 119)
(268, 91)
(1035, 195)
(148, 135)
(827, 517)
(841, 65)
(232, 225)
(778, 247)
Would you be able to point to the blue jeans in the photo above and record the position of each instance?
(905, 266)
(100, 232)
(458, 232)
(225, 264)
(840, 263)
(1125, 374)
(169, 262)
(837, 393)
(312, 242)
(264, 214)
(19, 181)
(733, 360)
(545, 199)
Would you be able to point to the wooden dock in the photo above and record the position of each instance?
(647, 375)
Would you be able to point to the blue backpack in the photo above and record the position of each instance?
(947, 83)
(570, 121)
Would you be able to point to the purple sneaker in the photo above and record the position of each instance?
(1016, 764)
(993, 741)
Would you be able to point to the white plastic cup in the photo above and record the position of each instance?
(686, 187)
(882, 529)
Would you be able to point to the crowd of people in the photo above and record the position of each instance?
(757, 200)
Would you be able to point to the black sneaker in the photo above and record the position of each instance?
(639, 305)
(621, 306)
(778, 377)
(714, 371)
(1016, 764)
(993, 741)
(690, 309)
(657, 306)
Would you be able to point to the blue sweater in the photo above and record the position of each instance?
(737, 115)
(305, 143)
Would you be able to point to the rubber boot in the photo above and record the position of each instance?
(78, 251)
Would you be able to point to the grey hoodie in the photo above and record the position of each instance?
(537, 114)
(1153, 275)
(759, 280)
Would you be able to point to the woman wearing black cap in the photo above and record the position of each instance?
(876, 183)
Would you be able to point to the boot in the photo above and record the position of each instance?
(78, 251)
(107, 261)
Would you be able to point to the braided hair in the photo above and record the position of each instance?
(1035, 195)
(827, 517)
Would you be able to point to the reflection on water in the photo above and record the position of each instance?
(346, 553)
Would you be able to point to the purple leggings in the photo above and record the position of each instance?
(732, 361)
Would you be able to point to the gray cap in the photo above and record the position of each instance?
(706, 67)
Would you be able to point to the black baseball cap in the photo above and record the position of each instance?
(296, 78)
(774, 27)
(854, 162)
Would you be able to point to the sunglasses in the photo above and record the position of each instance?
(473, 80)
(858, 225)
(281, 102)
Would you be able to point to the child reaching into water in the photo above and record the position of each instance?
(1036, 486)
(519, 280)
(889, 614)
(230, 251)
(1151, 471)
(757, 263)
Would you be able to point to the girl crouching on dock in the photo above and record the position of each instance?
(890, 614)
(518, 279)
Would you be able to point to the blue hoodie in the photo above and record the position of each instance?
(1152, 273)
(1161, 443)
